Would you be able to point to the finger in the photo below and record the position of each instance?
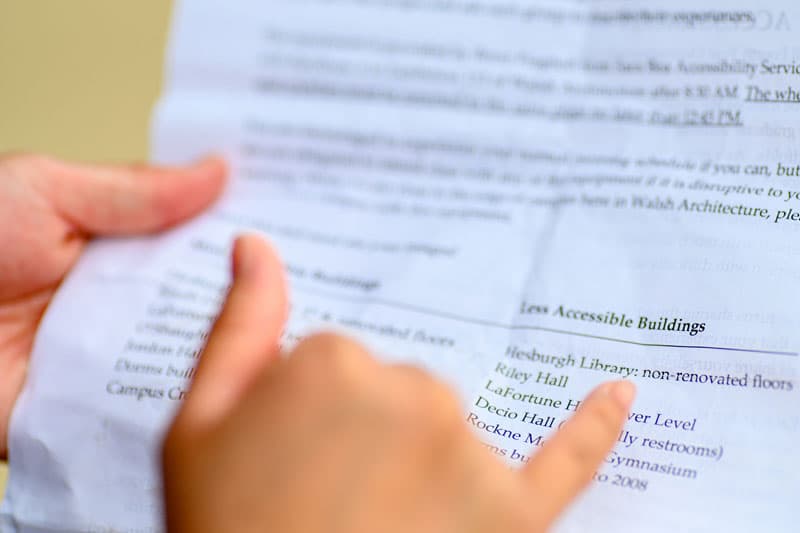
(245, 338)
(418, 387)
(118, 200)
(333, 358)
(566, 462)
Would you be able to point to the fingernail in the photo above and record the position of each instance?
(623, 392)
(244, 258)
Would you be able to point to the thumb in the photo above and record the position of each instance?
(118, 200)
(246, 336)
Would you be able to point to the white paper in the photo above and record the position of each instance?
(526, 198)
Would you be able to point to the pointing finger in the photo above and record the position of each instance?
(567, 462)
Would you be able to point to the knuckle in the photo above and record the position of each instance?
(430, 405)
(447, 406)
(335, 346)
(331, 355)
(582, 452)
(411, 376)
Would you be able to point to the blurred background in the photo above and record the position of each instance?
(78, 79)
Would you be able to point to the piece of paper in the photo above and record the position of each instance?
(525, 198)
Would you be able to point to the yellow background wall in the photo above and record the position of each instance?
(78, 78)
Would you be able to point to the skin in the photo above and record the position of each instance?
(330, 440)
(327, 439)
(49, 210)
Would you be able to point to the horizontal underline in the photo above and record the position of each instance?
(773, 101)
(511, 327)
(692, 125)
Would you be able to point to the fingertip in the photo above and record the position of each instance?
(251, 254)
(212, 170)
(191, 190)
(254, 260)
(622, 393)
(246, 256)
(214, 166)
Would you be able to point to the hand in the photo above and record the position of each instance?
(330, 440)
(48, 212)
